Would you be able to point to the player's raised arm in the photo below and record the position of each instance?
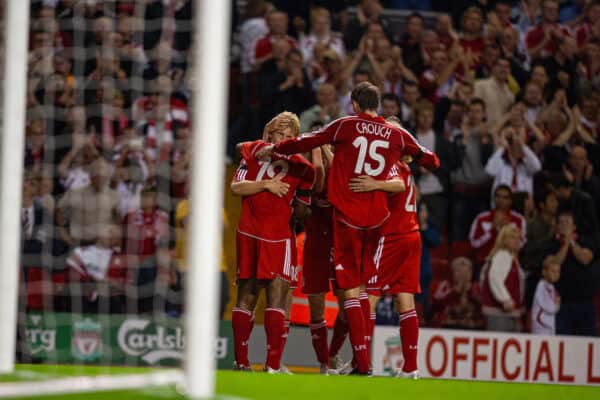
(304, 143)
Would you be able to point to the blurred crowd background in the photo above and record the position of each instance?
(507, 93)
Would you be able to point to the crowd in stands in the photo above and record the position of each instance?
(507, 93)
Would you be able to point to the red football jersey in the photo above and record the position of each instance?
(403, 206)
(145, 231)
(364, 145)
(265, 215)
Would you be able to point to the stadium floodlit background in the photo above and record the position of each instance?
(505, 92)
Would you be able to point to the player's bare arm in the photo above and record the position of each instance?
(317, 162)
(247, 188)
(365, 183)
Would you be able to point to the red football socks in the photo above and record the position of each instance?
(340, 332)
(318, 333)
(286, 332)
(409, 335)
(241, 321)
(366, 312)
(274, 328)
(356, 325)
(369, 337)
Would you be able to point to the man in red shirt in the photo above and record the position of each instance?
(585, 31)
(472, 34)
(364, 145)
(147, 228)
(264, 248)
(398, 259)
(543, 39)
(277, 22)
(487, 224)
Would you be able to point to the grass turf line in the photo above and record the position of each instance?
(305, 387)
(40, 372)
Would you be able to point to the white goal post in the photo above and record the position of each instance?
(11, 170)
(209, 88)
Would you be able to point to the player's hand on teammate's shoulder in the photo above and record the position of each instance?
(265, 152)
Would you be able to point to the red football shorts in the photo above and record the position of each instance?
(317, 268)
(353, 251)
(264, 259)
(398, 264)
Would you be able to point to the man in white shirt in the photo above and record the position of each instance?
(513, 164)
(494, 91)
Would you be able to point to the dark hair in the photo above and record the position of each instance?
(408, 83)
(457, 102)
(392, 97)
(415, 15)
(503, 187)
(366, 95)
(479, 101)
(505, 2)
(148, 190)
(361, 71)
(566, 212)
(540, 196)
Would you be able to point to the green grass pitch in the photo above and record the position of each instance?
(239, 385)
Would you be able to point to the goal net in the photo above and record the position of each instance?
(96, 192)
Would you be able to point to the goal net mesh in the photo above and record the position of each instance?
(105, 183)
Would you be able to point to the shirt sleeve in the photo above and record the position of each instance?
(394, 173)
(423, 156)
(495, 163)
(307, 142)
(240, 173)
(65, 201)
(499, 269)
(478, 236)
(531, 161)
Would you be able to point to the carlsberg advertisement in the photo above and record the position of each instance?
(114, 339)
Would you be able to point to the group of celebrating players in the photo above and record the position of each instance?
(356, 198)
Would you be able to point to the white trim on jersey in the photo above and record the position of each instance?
(263, 239)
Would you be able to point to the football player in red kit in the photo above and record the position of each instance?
(264, 248)
(317, 268)
(398, 259)
(364, 145)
